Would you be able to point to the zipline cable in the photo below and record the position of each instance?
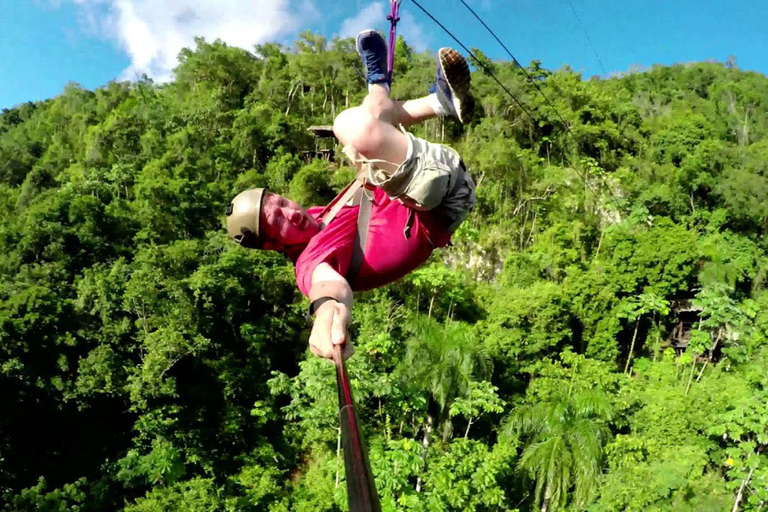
(530, 78)
(535, 84)
(522, 107)
(517, 63)
(586, 34)
(481, 63)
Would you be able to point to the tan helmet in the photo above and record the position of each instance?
(243, 215)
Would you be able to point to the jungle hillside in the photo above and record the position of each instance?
(593, 340)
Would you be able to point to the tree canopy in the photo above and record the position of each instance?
(594, 339)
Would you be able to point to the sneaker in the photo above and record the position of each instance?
(452, 85)
(373, 50)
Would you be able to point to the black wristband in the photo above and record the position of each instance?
(315, 305)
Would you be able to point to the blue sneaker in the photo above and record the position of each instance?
(373, 50)
(452, 83)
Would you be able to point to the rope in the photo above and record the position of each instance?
(393, 17)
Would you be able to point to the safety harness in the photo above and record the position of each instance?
(359, 191)
(356, 192)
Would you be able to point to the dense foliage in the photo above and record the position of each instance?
(595, 339)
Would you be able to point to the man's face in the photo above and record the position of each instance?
(285, 222)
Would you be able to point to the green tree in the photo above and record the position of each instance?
(633, 310)
(444, 360)
(564, 427)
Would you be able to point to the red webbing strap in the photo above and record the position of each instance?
(361, 487)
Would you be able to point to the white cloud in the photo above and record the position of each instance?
(152, 33)
(370, 17)
(374, 15)
(413, 33)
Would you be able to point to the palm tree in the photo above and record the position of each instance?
(444, 360)
(564, 438)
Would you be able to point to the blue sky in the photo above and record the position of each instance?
(44, 44)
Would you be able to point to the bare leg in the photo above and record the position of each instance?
(414, 111)
(381, 106)
(370, 128)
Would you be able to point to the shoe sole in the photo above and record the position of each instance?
(456, 72)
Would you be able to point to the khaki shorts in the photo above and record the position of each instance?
(432, 178)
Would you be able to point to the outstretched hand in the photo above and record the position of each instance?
(330, 328)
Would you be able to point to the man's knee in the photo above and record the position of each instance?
(357, 128)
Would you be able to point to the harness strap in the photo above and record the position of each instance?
(355, 189)
(340, 200)
(361, 236)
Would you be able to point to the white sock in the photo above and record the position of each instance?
(383, 84)
(438, 107)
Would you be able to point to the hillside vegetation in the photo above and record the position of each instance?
(595, 338)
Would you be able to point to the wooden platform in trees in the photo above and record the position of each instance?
(323, 149)
(688, 316)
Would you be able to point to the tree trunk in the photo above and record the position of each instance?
(632, 347)
(547, 497)
(599, 243)
(745, 131)
(740, 494)
(291, 92)
(425, 445)
(711, 352)
(690, 377)
(709, 357)
(533, 228)
(325, 95)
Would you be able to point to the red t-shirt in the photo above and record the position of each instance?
(388, 254)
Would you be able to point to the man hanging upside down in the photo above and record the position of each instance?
(420, 191)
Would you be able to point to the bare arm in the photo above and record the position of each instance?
(334, 316)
